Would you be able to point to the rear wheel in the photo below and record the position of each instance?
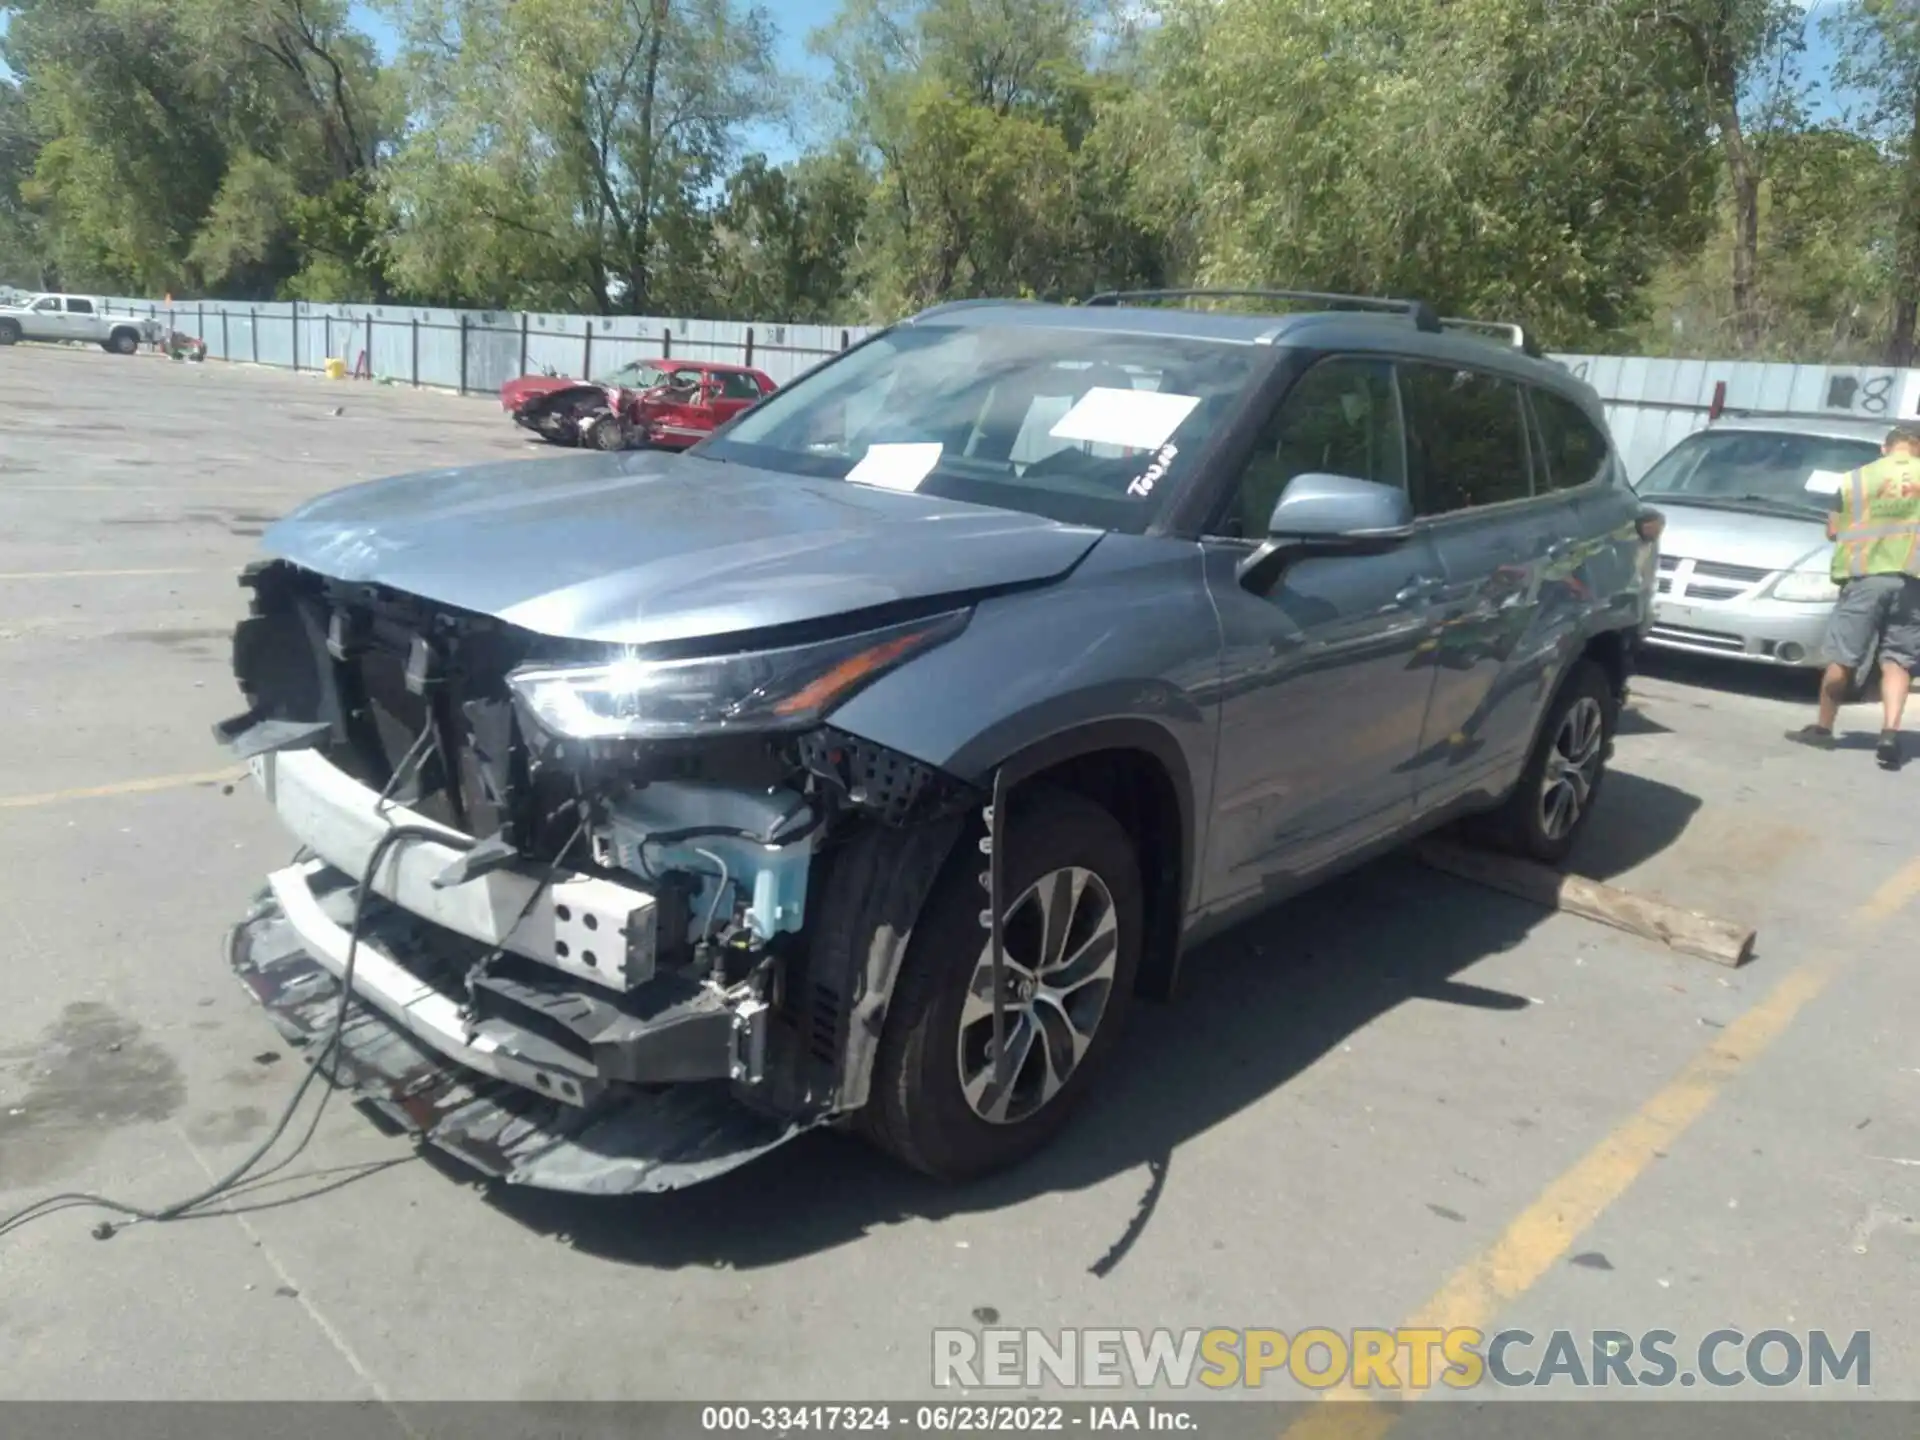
(123, 342)
(1548, 808)
(1071, 926)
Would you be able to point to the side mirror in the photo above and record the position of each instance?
(1320, 514)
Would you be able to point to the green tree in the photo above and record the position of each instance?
(985, 203)
(562, 150)
(1504, 157)
(786, 238)
(23, 259)
(303, 183)
(983, 120)
(129, 115)
(177, 142)
(1880, 49)
(1824, 263)
(1742, 55)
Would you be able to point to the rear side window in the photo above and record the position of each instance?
(79, 307)
(1576, 450)
(738, 385)
(1466, 441)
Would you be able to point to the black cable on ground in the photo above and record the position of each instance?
(53, 1203)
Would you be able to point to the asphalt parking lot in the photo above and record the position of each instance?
(1401, 1099)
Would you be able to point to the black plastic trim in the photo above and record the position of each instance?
(1160, 966)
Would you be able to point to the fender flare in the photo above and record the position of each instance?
(880, 884)
(1160, 962)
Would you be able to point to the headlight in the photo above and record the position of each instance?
(1806, 587)
(640, 699)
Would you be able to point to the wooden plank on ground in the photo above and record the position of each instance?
(1721, 941)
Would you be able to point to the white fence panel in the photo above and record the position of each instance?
(1651, 403)
(1654, 404)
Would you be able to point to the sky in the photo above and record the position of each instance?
(1817, 64)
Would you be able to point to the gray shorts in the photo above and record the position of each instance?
(1883, 606)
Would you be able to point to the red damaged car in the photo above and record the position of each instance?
(668, 404)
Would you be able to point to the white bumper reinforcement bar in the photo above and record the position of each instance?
(389, 987)
(593, 929)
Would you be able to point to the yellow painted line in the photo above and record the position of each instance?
(120, 787)
(1898, 891)
(91, 574)
(1542, 1233)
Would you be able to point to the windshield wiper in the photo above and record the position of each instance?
(1738, 503)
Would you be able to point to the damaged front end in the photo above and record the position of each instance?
(610, 948)
(587, 415)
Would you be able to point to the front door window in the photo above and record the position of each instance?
(1340, 418)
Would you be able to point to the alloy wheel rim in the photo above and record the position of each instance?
(1573, 768)
(1061, 940)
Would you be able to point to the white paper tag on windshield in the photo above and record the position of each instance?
(1826, 482)
(1138, 419)
(896, 467)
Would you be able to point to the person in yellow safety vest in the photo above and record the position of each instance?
(1875, 525)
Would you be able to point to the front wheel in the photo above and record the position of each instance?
(607, 433)
(1557, 790)
(9, 332)
(1071, 927)
(123, 342)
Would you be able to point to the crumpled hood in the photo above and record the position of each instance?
(1730, 537)
(641, 547)
(518, 392)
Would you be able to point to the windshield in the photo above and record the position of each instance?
(1757, 470)
(1080, 426)
(636, 375)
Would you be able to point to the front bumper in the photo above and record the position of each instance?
(626, 1141)
(1767, 631)
(568, 1065)
(593, 929)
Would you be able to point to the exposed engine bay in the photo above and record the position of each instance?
(580, 958)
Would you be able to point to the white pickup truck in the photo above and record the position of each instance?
(74, 317)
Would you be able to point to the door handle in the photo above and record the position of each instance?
(1424, 588)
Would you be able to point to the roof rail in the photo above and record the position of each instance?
(1517, 336)
(1421, 313)
(946, 306)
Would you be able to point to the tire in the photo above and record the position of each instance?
(9, 332)
(606, 433)
(1564, 771)
(919, 1110)
(123, 342)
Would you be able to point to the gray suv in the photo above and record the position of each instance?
(863, 763)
